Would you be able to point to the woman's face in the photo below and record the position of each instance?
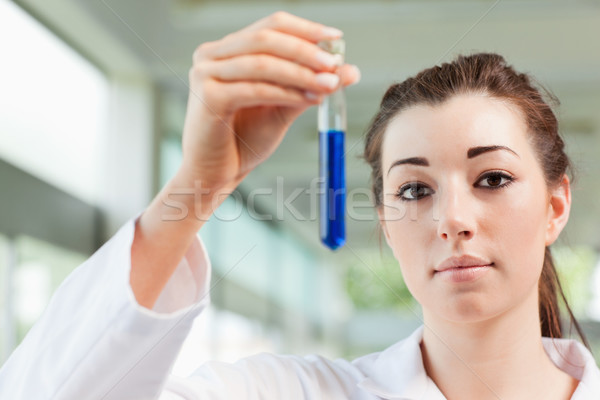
(460, 179)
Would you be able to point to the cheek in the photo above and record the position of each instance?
(405, 229)
(521, 220)
(412, 235)
(520, 229)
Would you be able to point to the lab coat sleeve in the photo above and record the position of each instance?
(269, 377)
(94, 341)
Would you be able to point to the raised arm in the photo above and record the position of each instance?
(245, 91)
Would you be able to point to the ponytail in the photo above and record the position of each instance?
(549, 289)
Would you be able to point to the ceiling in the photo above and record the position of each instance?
(557, 41)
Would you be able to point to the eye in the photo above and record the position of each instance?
(495, 180)
(413, 191)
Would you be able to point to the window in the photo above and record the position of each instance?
(53, 106)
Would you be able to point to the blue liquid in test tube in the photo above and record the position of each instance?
(332, 176)
(333, 194)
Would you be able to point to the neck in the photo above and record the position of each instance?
(500, 358)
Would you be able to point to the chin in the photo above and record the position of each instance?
(470, 310)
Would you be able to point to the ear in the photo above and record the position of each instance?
(559, 208)
(382, 222)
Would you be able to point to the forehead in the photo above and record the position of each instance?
(453, 127)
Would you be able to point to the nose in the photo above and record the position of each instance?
(456, 214)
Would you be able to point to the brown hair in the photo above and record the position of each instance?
(490, 75)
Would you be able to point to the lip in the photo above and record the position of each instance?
(466, 268)
(463, 261)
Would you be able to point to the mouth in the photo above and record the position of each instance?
(465, 261)
(464, 268)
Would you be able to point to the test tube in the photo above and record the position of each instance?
(332, 177)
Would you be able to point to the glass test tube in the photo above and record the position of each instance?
(332, 179)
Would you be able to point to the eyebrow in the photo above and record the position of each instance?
(471, 153)
(475, 151)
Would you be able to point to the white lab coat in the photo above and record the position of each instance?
(95, 342)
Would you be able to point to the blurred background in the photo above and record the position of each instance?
(92, 103)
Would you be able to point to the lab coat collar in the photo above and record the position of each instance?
(398, 372)
(576, 360)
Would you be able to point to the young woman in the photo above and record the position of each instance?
(470, 182)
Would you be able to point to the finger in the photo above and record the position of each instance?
(266, 41)
(244, 94)
(349, 74)
(266, 68)
(285, 22)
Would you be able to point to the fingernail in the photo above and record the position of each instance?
(328, 59)
(331, 32)
(311, 95)
(327, 80)
(357, 74)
